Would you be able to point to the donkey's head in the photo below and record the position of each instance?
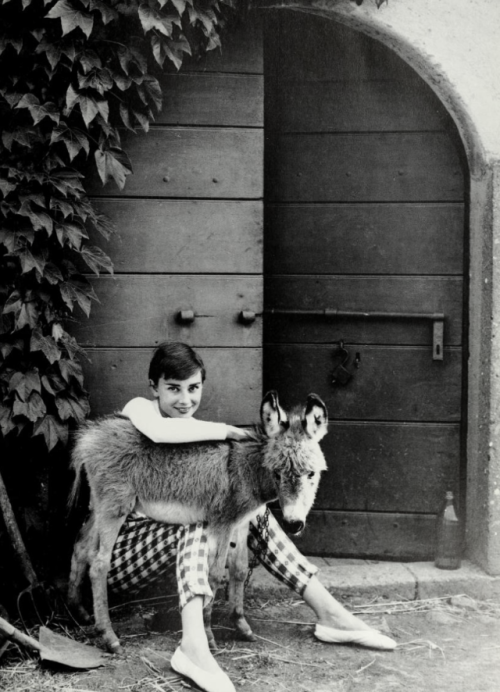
(293, 455)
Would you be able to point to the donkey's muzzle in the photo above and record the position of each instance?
(294, 528)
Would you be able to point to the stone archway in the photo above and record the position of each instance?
(441, 43)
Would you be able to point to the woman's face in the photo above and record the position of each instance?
(179, 398)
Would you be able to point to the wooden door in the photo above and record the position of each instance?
(364, 212)
(189, 238)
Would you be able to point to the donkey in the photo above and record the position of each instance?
(222, 483)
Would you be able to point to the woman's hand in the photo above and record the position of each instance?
(234, 433)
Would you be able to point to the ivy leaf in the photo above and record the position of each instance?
(80, 293)
(142, 119)
(40, 219)
(70, 368)
(153, 89)
(9, 239)
(71, 232)
(88, 107)
(67, 407)
(96, 259)
(31, 261)
(107, 13)
(6, 187)
(71, 18)
(67, 182)
(74, 140)
(25, 383)
(180, 5)
(52, 52)
(52, 430)
(52, 383)
(39, 111)
(6, 422)
(151, 19)
(113, 163)
(125, 116)
(60, 204)
(100, 80)
(28, 316)
(46, 345)
(13, 303)
(33, 408)
(122, 82)
(89, 60)
(52, 274)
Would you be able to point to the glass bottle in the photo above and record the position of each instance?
(448, 536)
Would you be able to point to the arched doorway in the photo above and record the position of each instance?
(364, 213)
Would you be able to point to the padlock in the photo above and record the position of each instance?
(341, 375)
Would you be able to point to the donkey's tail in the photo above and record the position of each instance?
(77, 464)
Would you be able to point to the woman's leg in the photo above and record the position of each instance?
(282, 559)
(194, 594)
(143, 551)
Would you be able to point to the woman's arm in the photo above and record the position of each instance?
(147, 419)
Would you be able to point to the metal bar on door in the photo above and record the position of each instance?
(437, 319)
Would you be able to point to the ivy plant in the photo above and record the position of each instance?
(73, 75)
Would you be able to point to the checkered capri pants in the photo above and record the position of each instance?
(145, 549)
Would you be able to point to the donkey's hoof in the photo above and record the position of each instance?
(248, 636)
(244, 630)
(114, 647)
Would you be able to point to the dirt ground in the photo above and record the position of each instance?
(444, 645)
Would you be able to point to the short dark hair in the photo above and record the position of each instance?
(175, 360)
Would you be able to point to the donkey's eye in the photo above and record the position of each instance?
(277, 476)
(311, 474)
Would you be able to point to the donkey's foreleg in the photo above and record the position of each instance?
(83, 553)
(107, 529)
(238, 572)
(218, 542)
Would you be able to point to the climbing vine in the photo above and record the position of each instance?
(73, 74)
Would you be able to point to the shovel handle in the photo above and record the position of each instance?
(17, 636)
(15, 535)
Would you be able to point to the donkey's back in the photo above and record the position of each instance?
(124, 467)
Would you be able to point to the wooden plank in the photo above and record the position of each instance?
(241, 49)
(374, 535)
(398, 384)
(114, 376)
(307, 47)
(138, 310)
(364, 239)
(190, 162)
(391, 167)
(413, 294)
(387, 467)
(212, 99)
(183, 236)
(357, 106)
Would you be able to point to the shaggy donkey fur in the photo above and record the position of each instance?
(223, 483)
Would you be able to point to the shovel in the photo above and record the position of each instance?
(56, 648)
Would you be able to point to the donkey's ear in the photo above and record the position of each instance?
(271, 414)
(315, 419)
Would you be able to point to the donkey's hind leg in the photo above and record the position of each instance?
(238, 571)
(107, 529)
(83, 553)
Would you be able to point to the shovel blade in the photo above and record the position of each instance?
(59, 649)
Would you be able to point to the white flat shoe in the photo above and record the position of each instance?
(369, 638)
(210, 682)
